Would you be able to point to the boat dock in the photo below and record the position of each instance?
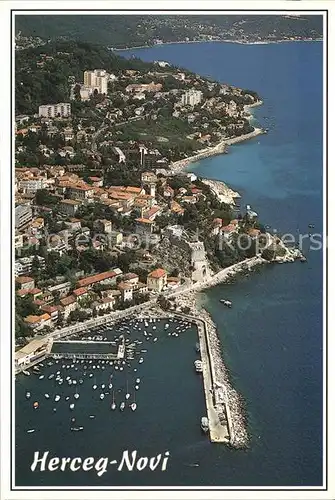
(87, 349)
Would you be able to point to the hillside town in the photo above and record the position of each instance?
(102, 222)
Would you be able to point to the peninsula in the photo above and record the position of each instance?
(108, 224)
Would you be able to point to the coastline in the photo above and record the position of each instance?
(239, 42)
(177, 166)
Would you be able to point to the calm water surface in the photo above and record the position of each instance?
(271, 338)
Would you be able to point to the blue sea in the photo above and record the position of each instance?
(272, 338)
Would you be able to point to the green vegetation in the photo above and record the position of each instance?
(36, 85)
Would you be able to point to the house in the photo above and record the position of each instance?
(157, 280)
(168, 192)
(69, 304)
(47, 298)
(30, 352)
(173, 282)
(108, 276)
(69, 207)
(176, 208)
(38, 322)
(254, 233)
(105, 304)
(217, 224)
(141, 288)
(25, 282)
(80, 293)
(126, 291)
(227, 231)
(73, 224)
(60, 290)
(144, 226)
(115, 238)
(96, 181)
(112, 294)
(103, 225)
(52, 311)
(148, 178)
(131, 278)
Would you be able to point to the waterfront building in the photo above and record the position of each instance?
(126, 290)
(62, 109)
(157, 280)
(38, 322)
(69, 304)
(103, 278)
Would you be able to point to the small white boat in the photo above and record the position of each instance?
(41, 377)
(28, 394)
(137, 387)
(94, 386)
(71, 406)
(102, 395)
(57, 397)
(91, 375)
(133, 406)
(141, 360)
(110, 386)
(155, 339)
(103, 386)
(67, 398)
(30, 430)
(76, 395)
(47, 396)
(122, 406)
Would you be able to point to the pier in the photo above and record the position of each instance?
(217, 403)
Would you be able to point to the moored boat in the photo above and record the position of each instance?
(204, 424)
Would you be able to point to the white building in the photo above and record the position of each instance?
(23, 215)
(191, 98)
(62, 109)
(24, 265)
(30, 186)
(97, 79)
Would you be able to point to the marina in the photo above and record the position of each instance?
(82, 358)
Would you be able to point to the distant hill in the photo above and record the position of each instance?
(129, 31)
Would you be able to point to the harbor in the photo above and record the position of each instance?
(115, 348)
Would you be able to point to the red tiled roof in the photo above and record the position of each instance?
(79, 291)
(24, 279)
(157, 273)
(96, 278)
(70, 299)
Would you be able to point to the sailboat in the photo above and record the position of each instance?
(127, 393)
(133, 405)
(113, 405)
(76, 394)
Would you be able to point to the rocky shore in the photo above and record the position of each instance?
(177, 166)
